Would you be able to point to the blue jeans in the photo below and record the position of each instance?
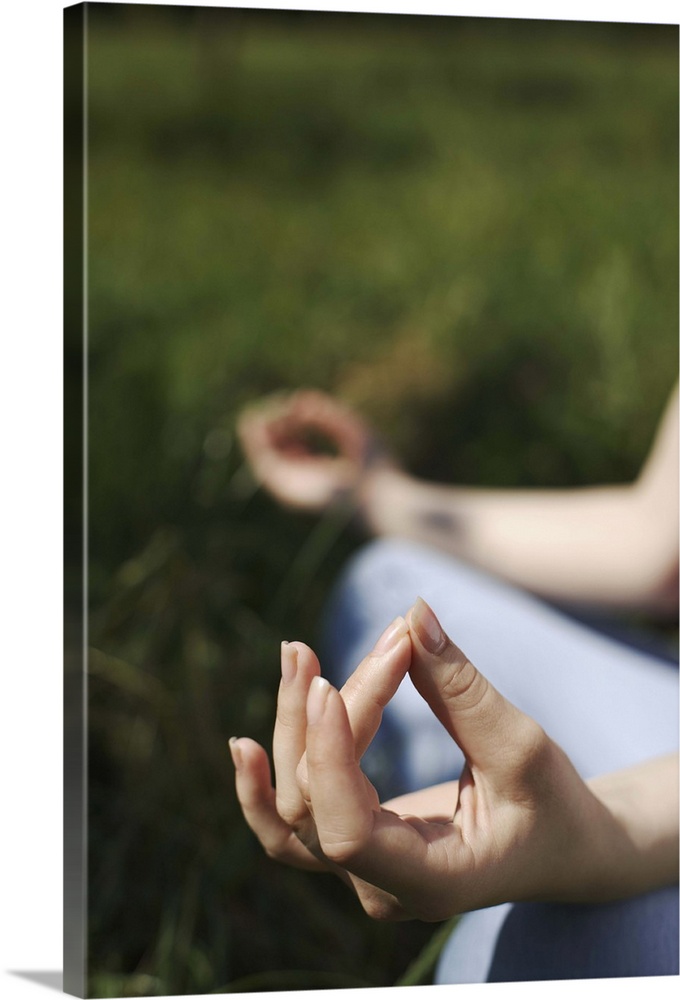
(607, 704)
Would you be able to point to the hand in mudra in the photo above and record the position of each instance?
(519, 825)
(308, 450)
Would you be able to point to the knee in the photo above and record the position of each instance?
(628, 938)
(381, 558)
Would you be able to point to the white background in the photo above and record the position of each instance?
(30, 488)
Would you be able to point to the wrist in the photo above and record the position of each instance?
(642, 804)
(579, 846)
(383, 498)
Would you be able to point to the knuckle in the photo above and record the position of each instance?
(535, 752)
(272, 852)
(275, 847)
(464, 684)
(362, 696)
(286, 715)
(341, 852)
(380, 909)
(305, 792)
(292, 813)
(534, 743)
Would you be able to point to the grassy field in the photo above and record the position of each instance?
(467, 229)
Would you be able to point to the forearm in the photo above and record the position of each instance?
(598, 545)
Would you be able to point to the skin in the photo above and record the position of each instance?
(519, 825)
(614, 546)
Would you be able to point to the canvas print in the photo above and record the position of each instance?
(371, 494)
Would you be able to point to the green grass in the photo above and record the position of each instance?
(468, 229)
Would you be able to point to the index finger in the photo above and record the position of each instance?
(372, 686)
(374, 683)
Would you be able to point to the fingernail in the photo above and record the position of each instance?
(391, 636)
(427, 627)
(235, 752)
(316, 699)
(288, 662)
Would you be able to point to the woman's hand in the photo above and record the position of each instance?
(308, 450)
(520, 825)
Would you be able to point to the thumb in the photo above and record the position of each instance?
(481, 721)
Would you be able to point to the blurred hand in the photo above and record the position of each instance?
(308, 450)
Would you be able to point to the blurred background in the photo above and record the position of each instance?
(467, 228)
